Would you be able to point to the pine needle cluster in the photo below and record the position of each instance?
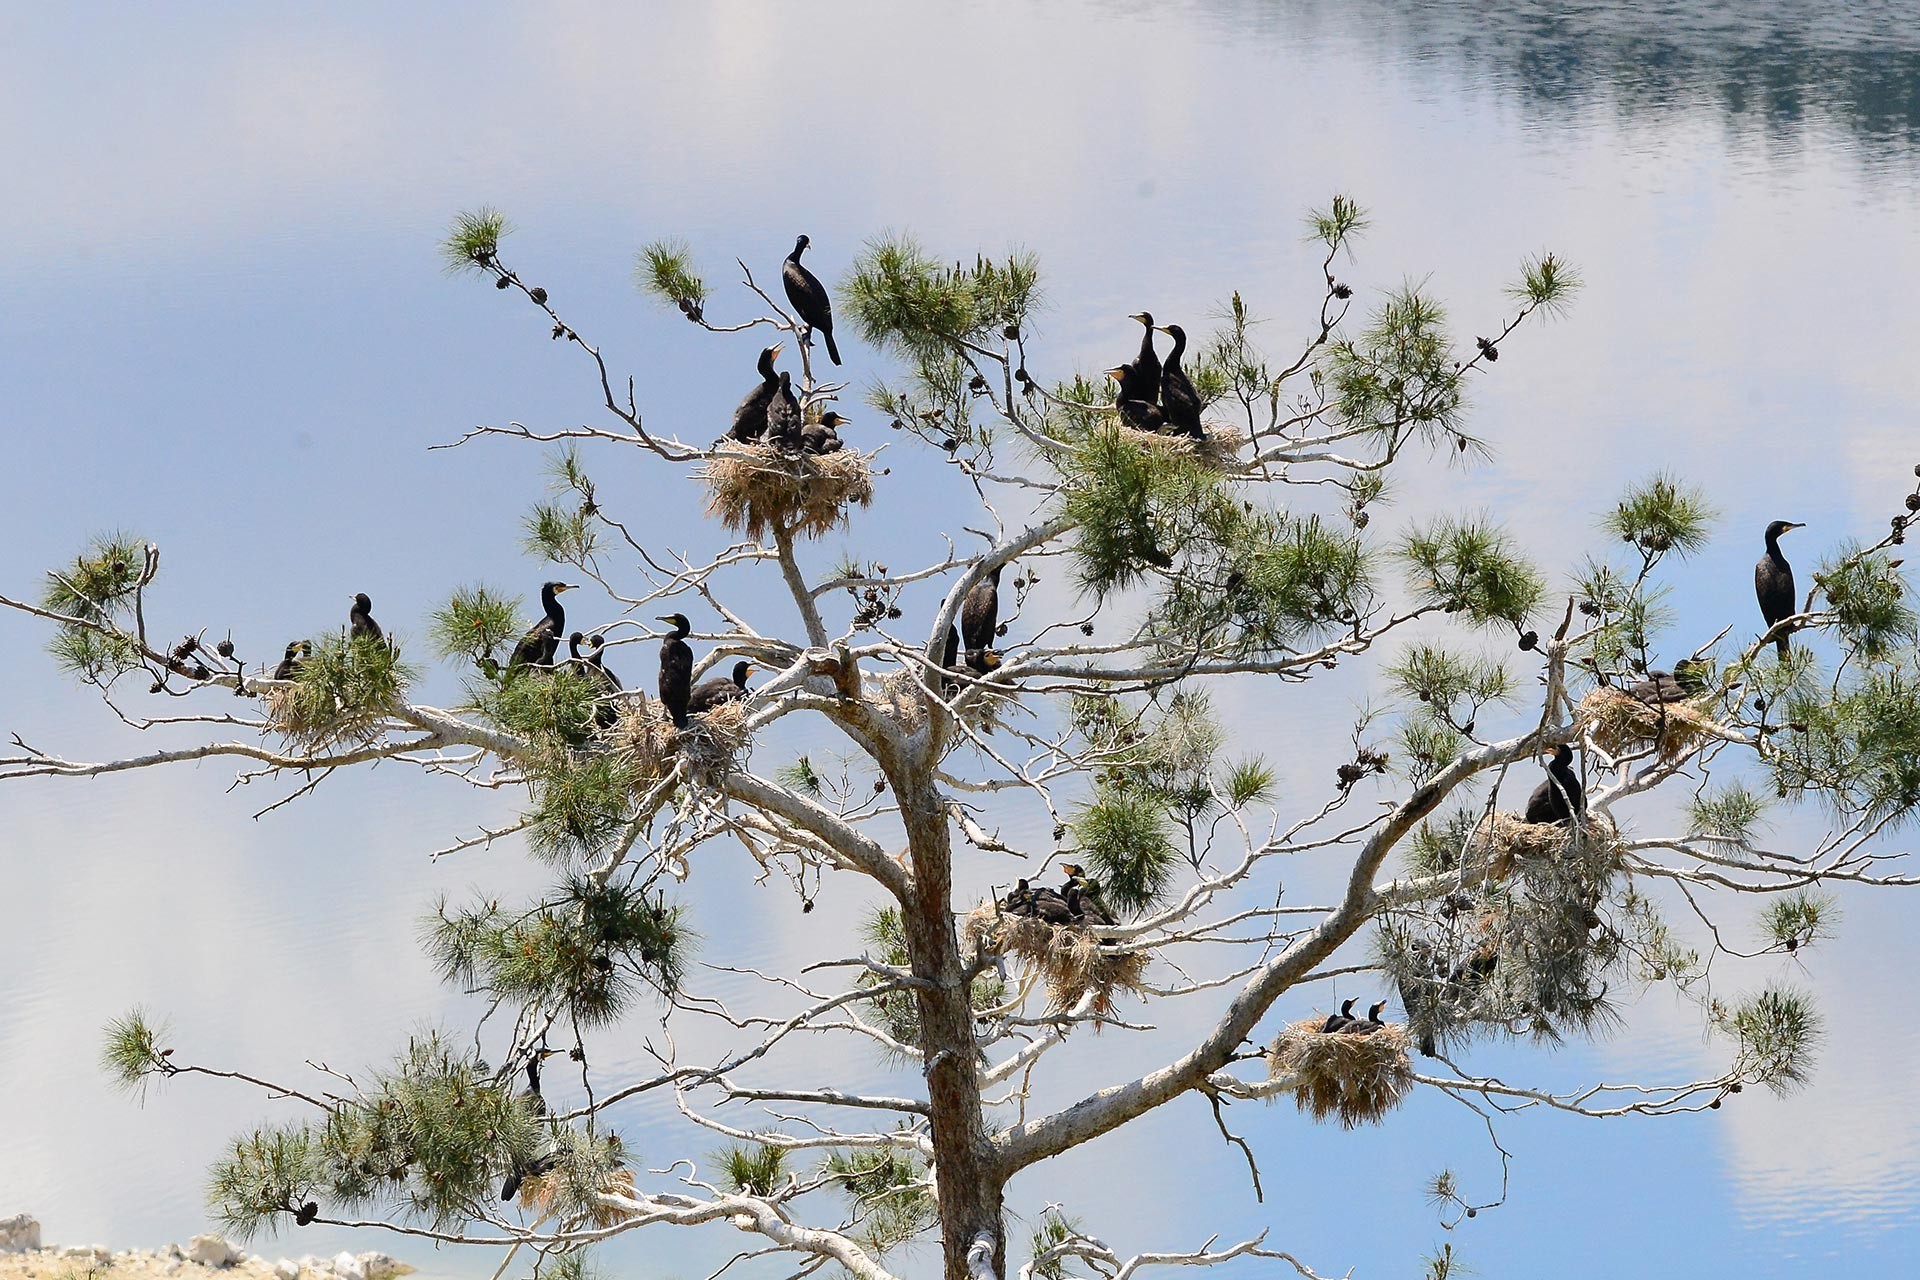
(898, 1012)
(664, 270)
(98, 585)
(1855, 747)
(474, 242)
(1468, 567)
(888, 1193)
(1662, 514)
(1779, 1031)
(758, 1169)
(474, 623)
(343, 691)
(1871, 607)
(1399, 374)
(1054, 1229)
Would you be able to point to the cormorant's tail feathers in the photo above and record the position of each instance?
(833, 352)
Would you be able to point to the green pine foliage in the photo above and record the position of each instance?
(580, 805)
(1470, 568)
(897, 1012)
(1547, 283)
(664, 270)
(1126, 840)
(1800, 919)
(474, 242)
(475, 622)
(1871, 607)
(555, 709)
(1779, 1031)
(1662, 514)
(1256, 583)
(1398, 376)
(905, 301)
(133, 1054)
(98, 585)
(1442, 680)
(1730, 811)
(345, 686)
(887, 1193)
(1053, 1230)
(756, 1170)
(1856, 747)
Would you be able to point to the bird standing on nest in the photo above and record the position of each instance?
(1335, 1021)
(783, 417)
(980, 619)
(1135, 409)
(295, 658)
(809, 298)
(750, 419)
(1560, 798)
(709, 695)
(1179, 402)
(1144, 374)
(676, 669)
(1773, 581)
(360, 623)
(537, 647)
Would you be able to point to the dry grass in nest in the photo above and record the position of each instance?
(1509, 838)
(1070, 960)
(711, 742)
(1219, 447)
(753, 487)
(1358, 1078)
(644, 735)
(1619, 723)
(296, 715)
(538, 1193)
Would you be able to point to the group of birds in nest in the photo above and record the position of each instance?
(1345, 1024)
(1155, 395)
(1076, 903)
(771, 412)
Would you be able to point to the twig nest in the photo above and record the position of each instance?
(1358, 1078)
(642, 733)
(1619, 723)
(1071, 960)
(753, 487)
(712, 741)
(314, 720)
(1217, 446)
(1507, 839)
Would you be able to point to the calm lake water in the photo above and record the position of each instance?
(225, 327)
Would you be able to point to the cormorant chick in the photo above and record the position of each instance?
(676, 669)
(809, 297)
(718, 691)
(607, 710)
(783, 416)
(750, 419)
(1355, 1027)
(980, 619)
(294, 659)
(1335, 1021)
(1179, 402)
(823, 436)
(537, 647)
(1561, 797)
(1773, 581)
(360, 623)
(1658, 687)
(1136, 410)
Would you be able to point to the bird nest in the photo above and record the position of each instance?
(313, 719)
(1217, 446)
(542, 1194)
(711, 742)
(1506, 840)
(755, 487)
(1618, 723)
(902, 695)
(1071, 960)
(1358, 1078)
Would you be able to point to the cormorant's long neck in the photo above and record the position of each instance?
(555, 614)
(767, 375)
(1179, 346)
(1773, 549)
(794, 257)
(573, 647)
(1146, 346)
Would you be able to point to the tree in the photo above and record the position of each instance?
(1238, 565)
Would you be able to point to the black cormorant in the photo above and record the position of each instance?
(1146, 366)
(1179, 402)
(823, 436)
(1773, 581)
(295, 657)
(783, 416)
(1561, 797)
(360, 623)
(676, 669)
(750, 419)
(1659, 686)
(809, 297)
(1355, 1027)
(1051, 907)
(980, 619)
(1083, 905)
(719, 690)
(538, 646)
(1135, 409)
(1335, 1021)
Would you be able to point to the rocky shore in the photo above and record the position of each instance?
(24, 1257)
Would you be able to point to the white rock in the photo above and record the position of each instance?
(173, 1265)
(286, 1269)
(379, 1266)
(174, 1251)
(347, 1267)
(213, 1251)
(19, 1234)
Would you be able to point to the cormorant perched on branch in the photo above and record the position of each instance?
(360, 623)
(676, 669)
(809, 296)
(593, 666)
(1561, 797)
(718, 691)
(1179, 402)
(750, 419)
(783, 416)
(1145, 369)
(538, 646)
(980, 619)
(1335, 1021)
(823, 436)
(295, 657)
(1773, 581)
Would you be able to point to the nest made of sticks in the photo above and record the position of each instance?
(1618, 723)
(1217, 447)
(754, 487)
(1071, 960)
(1358, 1078)
(1507, 839)
(712, 741)
(540, 1192)
(303, 719)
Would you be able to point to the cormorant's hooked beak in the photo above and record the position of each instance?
(558, 587)
(1139, 316)
(1115, 372)
(778, 347)
(1792, 525)
(663, 617)
(1161, 328)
